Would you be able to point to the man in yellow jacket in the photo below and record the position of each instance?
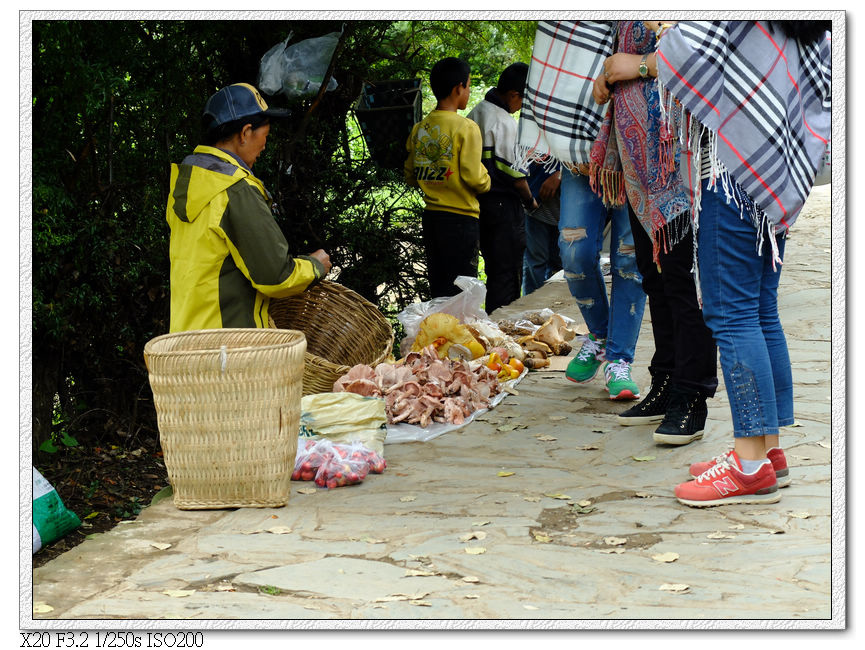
(228, 255)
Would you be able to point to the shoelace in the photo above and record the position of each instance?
(590, 348)
(715, 470)
(621, 369)
(722, 457)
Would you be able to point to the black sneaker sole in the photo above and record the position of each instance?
(676, 438)
(629, 420)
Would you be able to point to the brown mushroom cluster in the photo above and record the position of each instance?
(422, 388)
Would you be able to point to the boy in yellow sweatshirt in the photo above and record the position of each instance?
(444, 160)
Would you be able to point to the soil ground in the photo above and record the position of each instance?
(103, 485)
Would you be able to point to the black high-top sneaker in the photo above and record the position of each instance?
(685, 418)
(653, 407)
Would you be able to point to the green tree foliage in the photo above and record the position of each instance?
(115, 102)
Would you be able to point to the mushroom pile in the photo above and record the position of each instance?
(422, 388)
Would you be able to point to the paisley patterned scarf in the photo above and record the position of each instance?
(635, 155)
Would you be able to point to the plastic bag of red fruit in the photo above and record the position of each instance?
(335, 465)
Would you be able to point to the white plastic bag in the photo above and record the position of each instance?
(271, 69)
(465, 306)
(298, 69)
(332, 465)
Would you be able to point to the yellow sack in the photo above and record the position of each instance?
(343, 418)
(442, 331)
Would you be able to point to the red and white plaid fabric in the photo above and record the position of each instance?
(762, 102)
(559, 120)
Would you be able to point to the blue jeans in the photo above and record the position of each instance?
(581, 236)
(541, 259)
(740, 306)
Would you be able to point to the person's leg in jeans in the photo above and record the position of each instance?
(733, 279)
(615, 321)
(555, 259)
(582, 218)
(542, 254)
(739, 289)
(627, 302)
(627, 298)
(776, 343)
(536, 258)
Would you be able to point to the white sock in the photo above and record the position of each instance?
(751, 466)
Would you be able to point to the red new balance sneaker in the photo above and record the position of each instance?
(724, 483)
(776, 455)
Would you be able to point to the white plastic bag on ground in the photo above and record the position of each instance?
(465, 306)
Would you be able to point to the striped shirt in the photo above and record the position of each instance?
(499, 134)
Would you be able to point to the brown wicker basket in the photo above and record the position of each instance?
(228, 410)
(342, 329)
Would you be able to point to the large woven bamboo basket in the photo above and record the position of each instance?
(228, 410)
(342, 329)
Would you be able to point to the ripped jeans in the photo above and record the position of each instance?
(740, 306)
(581, 235)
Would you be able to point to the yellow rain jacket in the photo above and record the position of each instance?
(228, 255)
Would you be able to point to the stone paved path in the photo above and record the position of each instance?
(371, 552)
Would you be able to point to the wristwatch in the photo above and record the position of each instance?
(644, 69)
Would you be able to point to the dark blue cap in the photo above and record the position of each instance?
(237, 101)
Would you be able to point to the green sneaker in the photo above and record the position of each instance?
(619, 382)
(584, 366)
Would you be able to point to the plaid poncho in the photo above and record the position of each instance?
(762, 103)
(559, 120)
